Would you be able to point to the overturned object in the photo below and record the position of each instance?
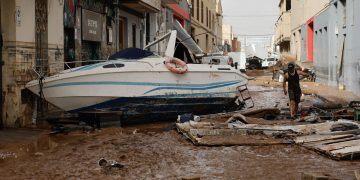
(109, 165)
(344, 127)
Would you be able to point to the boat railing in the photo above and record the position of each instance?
(70, 66)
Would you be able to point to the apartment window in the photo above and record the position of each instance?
(202, 12)
(288, 5)
(134, 35)
(343, 3)
(207, 42)
(213, 21)
(210, 19)
(198, 10)
(207, 17)
(192, 8)
(147, 28)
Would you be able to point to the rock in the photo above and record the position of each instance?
(39, 154)
(109, 164)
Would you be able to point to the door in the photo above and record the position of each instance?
(122, 31)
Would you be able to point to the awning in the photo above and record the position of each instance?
(179, 12)
(186, 39)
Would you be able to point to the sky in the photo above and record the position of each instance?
(253, 23)
(251, 17)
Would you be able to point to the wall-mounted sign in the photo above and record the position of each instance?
(18, 16)
(110, 35)
(91, 26)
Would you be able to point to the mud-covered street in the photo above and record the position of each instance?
(158, 151)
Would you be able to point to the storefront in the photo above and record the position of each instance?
(88, 31)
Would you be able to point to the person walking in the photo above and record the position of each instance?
(292, 79)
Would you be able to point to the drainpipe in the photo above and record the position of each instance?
(117, 25)
(1, 83)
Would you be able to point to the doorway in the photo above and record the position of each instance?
(122, 32)
(133, 30)
(310, 31)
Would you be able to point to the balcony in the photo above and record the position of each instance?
(142, 6)
(283, 29)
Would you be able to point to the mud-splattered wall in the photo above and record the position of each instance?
(337, 44)
(19, 55)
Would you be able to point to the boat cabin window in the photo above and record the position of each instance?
(115, 65)
(215, 61)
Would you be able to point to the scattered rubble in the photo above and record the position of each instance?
(109, 165)
(338, 139)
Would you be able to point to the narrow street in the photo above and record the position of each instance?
(180, 89)
(158, 151)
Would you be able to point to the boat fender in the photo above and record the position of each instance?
(176, 65)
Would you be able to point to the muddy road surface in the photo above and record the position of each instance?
(158, 151)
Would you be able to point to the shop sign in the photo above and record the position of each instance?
(91, 26)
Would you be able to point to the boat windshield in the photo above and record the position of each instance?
(131, 54)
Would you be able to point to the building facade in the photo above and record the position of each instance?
(325, 33)
(282, 27)
(336, 44)
(302, 27)
(227, 33)
(206, 24)
(32, 40)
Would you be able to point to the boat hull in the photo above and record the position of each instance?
(162, 108)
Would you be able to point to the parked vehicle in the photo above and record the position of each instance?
(240, 58)
(267, 62)
(253, 63)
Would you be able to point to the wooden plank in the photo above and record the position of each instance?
(314, 176)
(357, 174)
(347, 150)
(355, 132)
(336, 146)
(316, 138)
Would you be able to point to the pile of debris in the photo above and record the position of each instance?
(339, 139)
(280, 68)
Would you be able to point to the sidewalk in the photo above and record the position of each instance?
(330, 93)
(10, 136)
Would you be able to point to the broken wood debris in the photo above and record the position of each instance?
(338, 140)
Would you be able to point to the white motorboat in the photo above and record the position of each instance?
(142, 87)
